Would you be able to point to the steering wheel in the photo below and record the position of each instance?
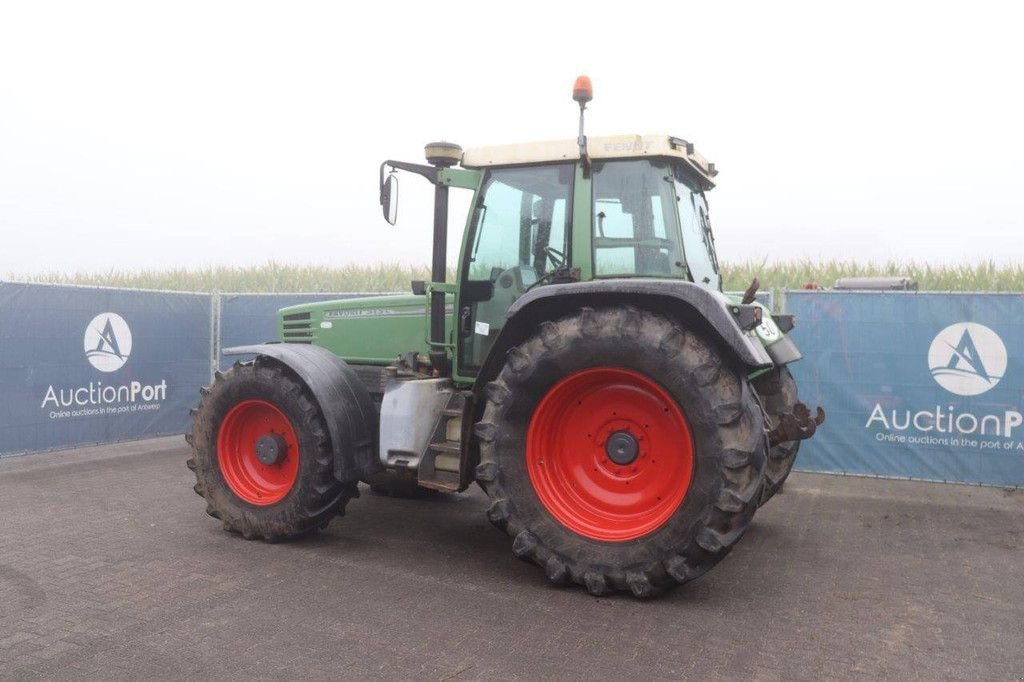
(556, 257)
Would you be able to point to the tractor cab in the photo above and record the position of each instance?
(631, 207)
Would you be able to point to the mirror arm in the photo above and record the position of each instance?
(429, 172)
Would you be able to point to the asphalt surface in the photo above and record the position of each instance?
(110, 568)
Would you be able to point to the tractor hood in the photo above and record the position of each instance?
(368, 330)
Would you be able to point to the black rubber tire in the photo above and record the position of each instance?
(777, 390)
(316, 497)
(729, 450)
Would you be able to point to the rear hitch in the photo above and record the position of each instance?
(799, 425)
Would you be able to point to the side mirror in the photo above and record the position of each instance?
(389, 199)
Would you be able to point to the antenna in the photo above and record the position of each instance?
(583, 92)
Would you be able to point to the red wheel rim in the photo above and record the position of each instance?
(249, 478)
(572, 468)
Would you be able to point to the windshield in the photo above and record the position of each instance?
(698, 240)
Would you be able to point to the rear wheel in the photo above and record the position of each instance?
(262, 455)
(778, 393)
(621, 451)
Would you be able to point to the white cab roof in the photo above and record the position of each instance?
(616, 147)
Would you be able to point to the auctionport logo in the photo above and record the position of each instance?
(108, 342)
(967, 358)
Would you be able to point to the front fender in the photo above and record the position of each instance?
(352, 420)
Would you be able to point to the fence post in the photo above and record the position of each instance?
(214, 332)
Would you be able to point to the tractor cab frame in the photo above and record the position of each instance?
(632, 209)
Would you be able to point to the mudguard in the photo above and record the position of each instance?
(343, 399)
(705, 310)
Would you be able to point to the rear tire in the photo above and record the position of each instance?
(277, 501)
(777, 390)
(637, 366)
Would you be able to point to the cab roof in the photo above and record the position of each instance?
(614, 147)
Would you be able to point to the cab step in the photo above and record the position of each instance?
(444, 466)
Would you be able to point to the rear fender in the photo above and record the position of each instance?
(706, 312)
(351, 417)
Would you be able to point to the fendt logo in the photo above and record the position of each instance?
(108, 342)
(967, 358)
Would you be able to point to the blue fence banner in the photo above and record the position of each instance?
(916, 385)
(252, 318)
(83, 365)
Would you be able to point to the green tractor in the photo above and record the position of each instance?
(625, 417)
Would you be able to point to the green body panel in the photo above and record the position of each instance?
(581, 251)
(374, 330)
(457, 374)
(460, 177)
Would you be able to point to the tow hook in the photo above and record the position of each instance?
(799, 425)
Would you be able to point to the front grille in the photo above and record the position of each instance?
(297, 328)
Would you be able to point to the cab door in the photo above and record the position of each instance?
(518, 233)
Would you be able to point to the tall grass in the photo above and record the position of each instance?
(276, 277)
(269, 277)
(985, 276)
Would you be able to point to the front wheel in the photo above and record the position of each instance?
(262, 455)
(621, 451)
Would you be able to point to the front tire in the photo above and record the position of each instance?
(621, 451)
(262, 455)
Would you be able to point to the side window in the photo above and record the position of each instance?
(557, 236)
(519, 219)
(519, 234)
(698, 242)
(497, 235)
(635, 229)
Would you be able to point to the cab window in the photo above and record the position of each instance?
(635, 228)
(698, 240)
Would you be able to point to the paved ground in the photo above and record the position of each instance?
(109, 568)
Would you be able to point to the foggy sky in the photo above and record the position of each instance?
(143, 135)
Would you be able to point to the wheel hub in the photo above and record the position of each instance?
(622, 448)
(609, 454)
(270, 449)
(258, 452)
